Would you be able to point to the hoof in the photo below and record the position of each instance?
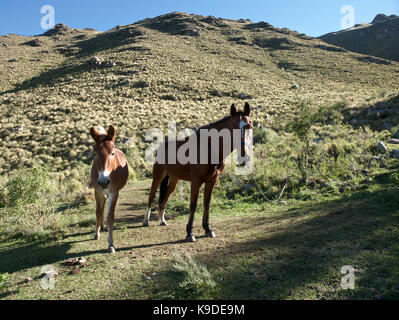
(96, 237)
(163, 223)
(102, 229)
(190, 238)
(210, 234)
(145, 224)
(111, 249)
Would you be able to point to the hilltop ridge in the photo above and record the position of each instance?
(379, 38)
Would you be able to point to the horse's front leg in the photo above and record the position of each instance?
(100, 202)
(209, 186)
(195, 188)
(113, 198)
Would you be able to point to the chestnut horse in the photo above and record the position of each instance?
(109, 174)
(166, 174)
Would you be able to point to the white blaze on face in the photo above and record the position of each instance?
(102, 175)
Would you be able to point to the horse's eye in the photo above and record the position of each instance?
(112, 154)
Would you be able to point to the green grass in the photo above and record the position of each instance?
(262, 251)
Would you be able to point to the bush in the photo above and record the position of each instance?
(394, 178)
(264, 136)
(26, 187)
(197, 283)
(3, 278)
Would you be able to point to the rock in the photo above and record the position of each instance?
(393, 141)
(75, 261)
(3, 44)
(95, 61)
(294, 87)
(395, 153)
(382, 147)
(50, 273)
(34, 43)
(57, 30)
(109, 64)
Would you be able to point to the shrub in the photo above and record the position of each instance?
(26, 187)
(264, 136)
(3, 278)
(198, 282)
(394, 178)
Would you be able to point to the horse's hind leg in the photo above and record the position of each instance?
(100, 202)
(158, 174)
(209, 186)
(162, 202)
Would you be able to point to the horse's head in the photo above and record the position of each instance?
(241, 120)
(104, 150)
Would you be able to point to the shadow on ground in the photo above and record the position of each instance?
(301, 253)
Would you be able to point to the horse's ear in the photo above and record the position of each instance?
(233, 110)
(111, 133)
(95, 134)
(247, 109)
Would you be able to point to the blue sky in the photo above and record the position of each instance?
(311, 17)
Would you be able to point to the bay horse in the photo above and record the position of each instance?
(167, 174)
(109, 174)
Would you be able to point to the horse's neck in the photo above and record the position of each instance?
(223, 157)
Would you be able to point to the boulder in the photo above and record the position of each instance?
(95, 61)
(34, 43)
(58, 29)
(395, 153)
(393, 141)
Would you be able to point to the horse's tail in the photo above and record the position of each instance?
(163, 189)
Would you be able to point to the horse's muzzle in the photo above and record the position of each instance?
(103, 182)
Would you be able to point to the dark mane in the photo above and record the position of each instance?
(214, 124)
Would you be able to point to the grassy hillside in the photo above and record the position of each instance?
(326, 124)
(50, 96)
(379, 38)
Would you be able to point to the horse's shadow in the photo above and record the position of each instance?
(40, 253)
